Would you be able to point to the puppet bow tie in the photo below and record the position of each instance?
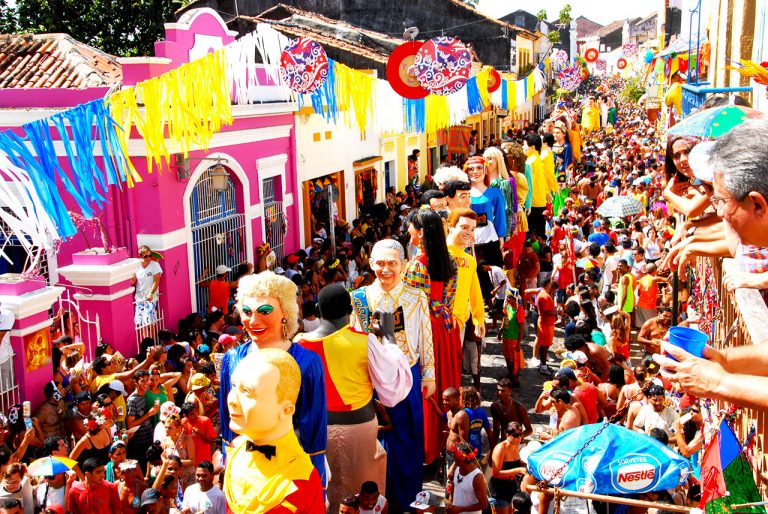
(268, 450)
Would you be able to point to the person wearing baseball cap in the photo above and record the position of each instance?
(219, 288)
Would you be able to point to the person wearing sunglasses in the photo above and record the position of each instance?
(147, 282)
(507, 468)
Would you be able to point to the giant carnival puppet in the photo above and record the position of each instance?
(413, 334)
(267, 469)
(269, 312)
(356, 364)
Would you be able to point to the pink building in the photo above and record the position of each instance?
(195, 219)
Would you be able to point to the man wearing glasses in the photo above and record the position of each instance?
(147, 282)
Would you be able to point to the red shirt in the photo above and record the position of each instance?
(219, 295)
(204, 427)
(587, 395)
(102, 499)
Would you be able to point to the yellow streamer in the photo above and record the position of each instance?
(354, 88)
(190, 103)
(512, 95)
(438, 113)
(482, 85)
(125, 112)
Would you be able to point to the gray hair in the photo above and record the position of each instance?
(389, 244)
(741, 156)
(447, 174)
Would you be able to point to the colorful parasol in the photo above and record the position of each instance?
(443, 65)
(591, 55)
(304, 65)
(401, 74)
(560, 58)
(569, 78)
(619, 207)
(585, 263)
(714, 122)
(49, 466)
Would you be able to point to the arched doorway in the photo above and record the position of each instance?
(218, 229)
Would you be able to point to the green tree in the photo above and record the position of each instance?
(119, 27)
(541, 15)
(471, 3)
(7, 18)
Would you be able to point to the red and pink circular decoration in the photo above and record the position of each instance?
(304, 65)
(401, 74)
(591, 55)
(621, 63)
(494, 81)
(443, 65)
(629, 50)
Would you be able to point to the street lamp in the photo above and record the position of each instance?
(219, 178)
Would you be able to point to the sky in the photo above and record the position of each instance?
(601, 11)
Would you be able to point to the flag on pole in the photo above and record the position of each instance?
(726, 477)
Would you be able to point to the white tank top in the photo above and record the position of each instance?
(463, 492)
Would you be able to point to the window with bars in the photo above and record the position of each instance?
(11, 246)
(9, 390)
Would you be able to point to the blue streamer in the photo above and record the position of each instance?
(525, 89)
(473, 96)
(324, 99)
(504, 94)
(415, 115)
(43, 182)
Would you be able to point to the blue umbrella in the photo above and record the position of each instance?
(617, 461)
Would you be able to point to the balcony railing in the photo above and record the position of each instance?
(740, 320)
(695, 95)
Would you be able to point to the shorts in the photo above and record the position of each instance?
(472, 351)
(497, 305)
(545, 334)
(642, 315)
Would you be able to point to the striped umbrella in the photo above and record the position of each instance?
(620, 207)
(49, 466)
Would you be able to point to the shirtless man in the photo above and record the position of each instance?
(567, 415)
(589, 188)
(505, 410)
(598, 356)
(456, 432)
(653, 331)
(545, 401)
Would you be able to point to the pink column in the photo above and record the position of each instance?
(29, 300)
(105, 296)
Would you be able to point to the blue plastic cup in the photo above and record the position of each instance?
(689, 339)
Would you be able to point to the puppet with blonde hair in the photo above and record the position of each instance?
(269, 312)
(496, 168)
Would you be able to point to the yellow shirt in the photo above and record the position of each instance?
(255, 484)
(468, 297)
(548, 160)
(539, 181)
(590, 118)
(102, 380)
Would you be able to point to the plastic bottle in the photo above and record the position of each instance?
(552, 420)
(27, 412)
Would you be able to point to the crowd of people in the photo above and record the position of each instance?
(387, 318)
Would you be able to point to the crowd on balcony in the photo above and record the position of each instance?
(510, 244)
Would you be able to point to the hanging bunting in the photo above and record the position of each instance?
(443, 65)
(304, 65)
(415, 115)
(530, 86)
(356, 89)
(512, 95)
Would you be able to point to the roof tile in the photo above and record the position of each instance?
(54, 61)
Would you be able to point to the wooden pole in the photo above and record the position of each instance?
(610, 499)
(742, 505)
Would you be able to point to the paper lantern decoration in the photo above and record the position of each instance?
(401, 74)
(591, 55)
(570, 78)
(560, 58)
(304, 65)
(601, 65)
(629, 50)
(443, 65)
(621, 63)
(494, 81)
